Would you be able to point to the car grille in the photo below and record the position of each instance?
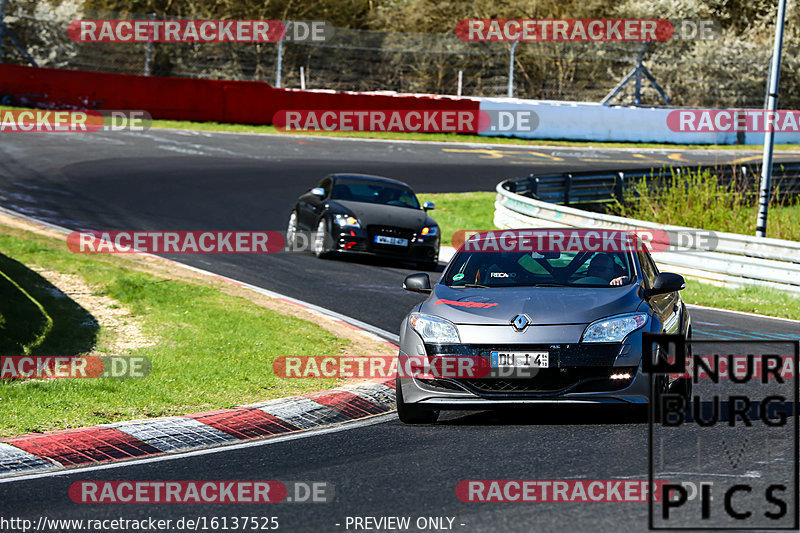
(554, 380)
(389, 231)
(574, 368)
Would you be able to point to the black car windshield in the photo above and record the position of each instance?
(526, 269)
(373, 192)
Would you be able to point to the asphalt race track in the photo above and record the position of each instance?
(172, 180)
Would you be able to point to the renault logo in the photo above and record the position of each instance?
(520, 322)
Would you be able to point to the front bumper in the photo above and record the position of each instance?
(578, 374)
(359, 241)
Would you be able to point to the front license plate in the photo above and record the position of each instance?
(394, 241)
(520, 359)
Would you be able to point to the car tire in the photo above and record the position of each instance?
(683, 386)
(661, 388)
(291, 232)
(322, 239)
(410, 414)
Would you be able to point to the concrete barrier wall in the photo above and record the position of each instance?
(579, 121)
(246, 102)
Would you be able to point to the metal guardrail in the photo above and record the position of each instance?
(731, 259)
(593, 186)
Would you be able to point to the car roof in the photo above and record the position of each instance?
(369, 177)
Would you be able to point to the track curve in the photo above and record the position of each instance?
(195, 181)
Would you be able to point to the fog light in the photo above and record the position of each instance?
(626, 375)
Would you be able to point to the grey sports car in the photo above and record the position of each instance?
(539, 320)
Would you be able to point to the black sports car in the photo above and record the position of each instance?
(357, 213)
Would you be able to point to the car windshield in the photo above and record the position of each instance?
(374, 193)
(531, 269)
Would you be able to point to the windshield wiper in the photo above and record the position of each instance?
(546, 285)
(470, 286)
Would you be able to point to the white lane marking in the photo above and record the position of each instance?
(379, 419)
(588, 149)
(749, 474)
(742, 313)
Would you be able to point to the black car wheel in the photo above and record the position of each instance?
(322, 240)
(683, 386)
(410, 414)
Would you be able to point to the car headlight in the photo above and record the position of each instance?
(614, 328)
(434, 329)
(429, 231)
(347, 221)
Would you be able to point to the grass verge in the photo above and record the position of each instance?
(461, 211)
(700, 200)
(213, 350)
(475, 211)
(444, 137)
(761, 300)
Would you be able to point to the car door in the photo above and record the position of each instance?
(310, 206)
(665, 306)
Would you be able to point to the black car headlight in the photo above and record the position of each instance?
(346, 221)
(429, 231)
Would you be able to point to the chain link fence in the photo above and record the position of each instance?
(722, 73)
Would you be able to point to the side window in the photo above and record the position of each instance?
(326, 184)
(649, 270)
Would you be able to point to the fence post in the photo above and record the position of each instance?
(533, 185)
(148, 50)
(511, 69)
(279, 65)
(302, 79)
(567, 188)
(460, 79)
(619, 187)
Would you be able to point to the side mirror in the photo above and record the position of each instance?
(318, 191)
(428, 206)
(418, 283)
(667, 282)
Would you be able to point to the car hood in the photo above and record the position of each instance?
(384, 215)
(543, 305)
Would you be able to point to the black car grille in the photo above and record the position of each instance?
(389, 231)
(554, 380)
(573, 368)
